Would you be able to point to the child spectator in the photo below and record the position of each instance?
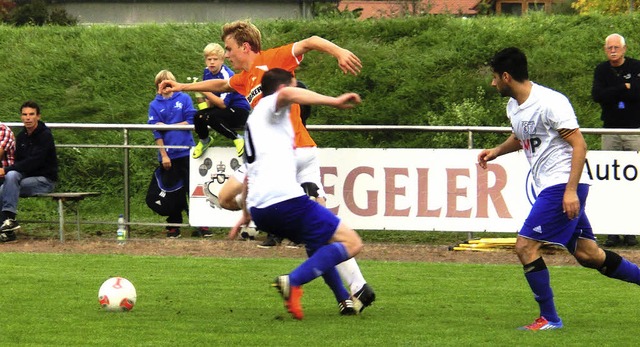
(226, 111)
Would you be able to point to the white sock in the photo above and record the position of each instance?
(350, 273)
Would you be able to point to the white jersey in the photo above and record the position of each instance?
(270, 156)
(535, 123)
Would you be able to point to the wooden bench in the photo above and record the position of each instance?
(70, 200)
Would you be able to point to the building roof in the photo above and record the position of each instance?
(381, 9)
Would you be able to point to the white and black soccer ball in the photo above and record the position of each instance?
(248, 233)
(117, 294)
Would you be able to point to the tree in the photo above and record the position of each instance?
(603, 6)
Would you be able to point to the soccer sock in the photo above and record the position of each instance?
(205, 140)
(333, 280)
(617, 267)
(539, 280)
(322, 260)
(350, 273)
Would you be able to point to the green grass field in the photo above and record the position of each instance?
(51, 300)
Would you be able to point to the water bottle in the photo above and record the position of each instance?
(121, 234)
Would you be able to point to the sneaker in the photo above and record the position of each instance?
(271, 241)
(630, 240)
(9, 225)
(239, 142)
(200, 148)
(202, 232)
(366, 296)
(290, 294)
(347, 308)
(542, 324)
(173, 233)
(7, 236)
(612, 241)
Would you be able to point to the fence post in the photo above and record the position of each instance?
(127, 212)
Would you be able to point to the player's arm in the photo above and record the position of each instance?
(348, 62)
(213, 85)
(570, 201)
(214, 100)
(509, 145)
(294, 95)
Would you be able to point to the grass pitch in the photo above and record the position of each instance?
(51, 300)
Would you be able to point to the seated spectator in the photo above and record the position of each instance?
(34, 171)
(7, 147)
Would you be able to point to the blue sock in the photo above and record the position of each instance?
(333, 280)
(627, 271)
(322, 260)
(539, 280)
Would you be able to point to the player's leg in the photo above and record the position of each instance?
(224, 121)
(200, 123)
(308, 175)
(609, 263)
(546, 222)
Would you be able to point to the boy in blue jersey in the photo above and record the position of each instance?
(226, 111)
(545, 127)
(175, 108)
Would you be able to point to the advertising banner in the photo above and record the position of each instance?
(433, 189)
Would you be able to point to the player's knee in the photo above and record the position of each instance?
(311, 189)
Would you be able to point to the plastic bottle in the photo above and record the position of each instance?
(121, 234)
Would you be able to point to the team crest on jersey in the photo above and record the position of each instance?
(529, 127)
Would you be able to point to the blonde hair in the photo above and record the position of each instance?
(164, 75)
(213, 49)
(243, 31)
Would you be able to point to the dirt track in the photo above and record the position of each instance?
(223, 248)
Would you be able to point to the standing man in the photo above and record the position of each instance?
(616, 87)
(35, 170)
(243, 45)
(545, 126)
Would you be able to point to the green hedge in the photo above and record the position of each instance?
(420, 71)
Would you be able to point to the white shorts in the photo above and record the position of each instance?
(308, 166)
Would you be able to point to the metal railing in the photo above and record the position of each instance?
(126, 146)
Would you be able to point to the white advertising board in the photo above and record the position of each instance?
(433, 189)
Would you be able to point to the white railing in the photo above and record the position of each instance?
(126, 145)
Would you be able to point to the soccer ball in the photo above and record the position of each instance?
(117, 294)
(248, 233)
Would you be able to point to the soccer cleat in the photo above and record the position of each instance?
(239, 142)
(200, 148)
(271, 241)
(173, 233)
(542, 324)
(7, 236)
(366, 296)
(347, 308)
(630, 240)
(290, 294)
(202, 232)
(9, 225)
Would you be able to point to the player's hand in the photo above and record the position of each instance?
(485, 156)
(571, 204)
(349, 62)
(348, 100)
(242, 222)
(168, 86)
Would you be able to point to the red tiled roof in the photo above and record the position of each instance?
(377, 9)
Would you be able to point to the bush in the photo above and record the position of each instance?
(37, 13)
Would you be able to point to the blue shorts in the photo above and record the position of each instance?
(300, 220)
(546, 221)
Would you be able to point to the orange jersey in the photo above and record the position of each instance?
(249, 83)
